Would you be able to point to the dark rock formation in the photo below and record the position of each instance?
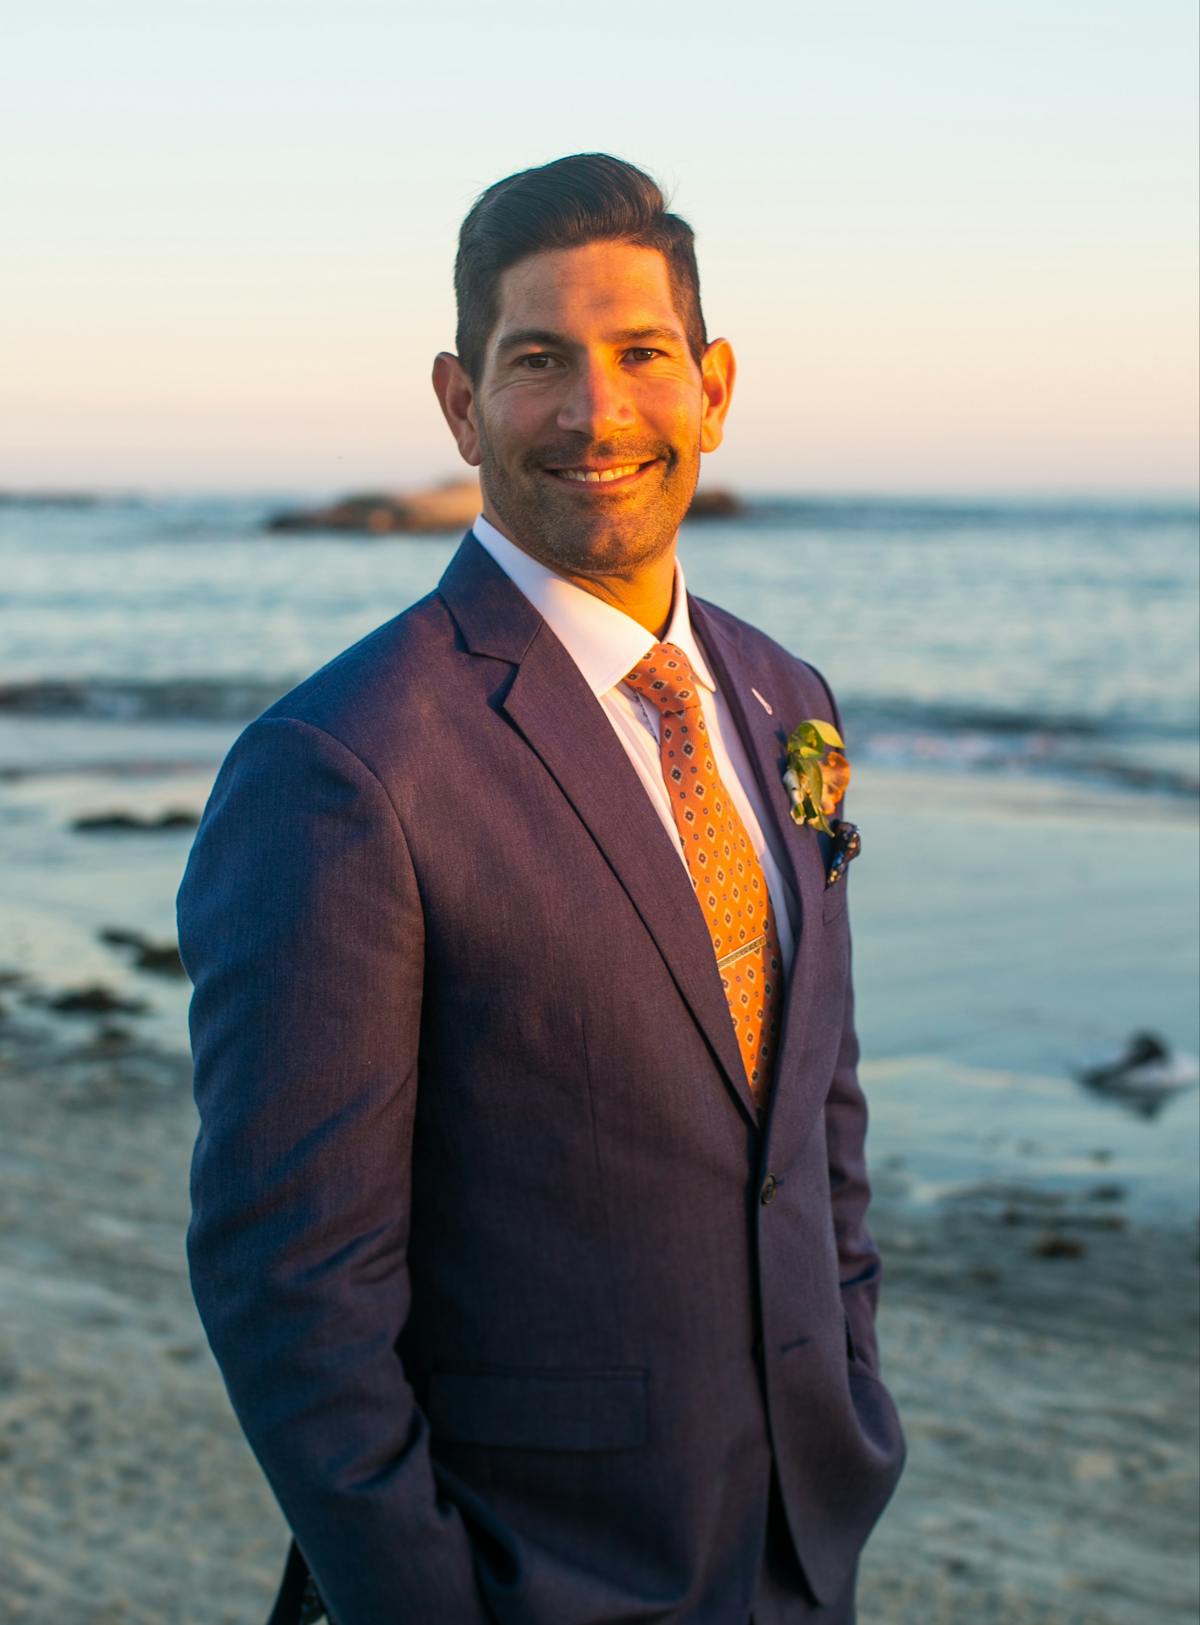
(160, 958)
(125, 823)
(94, 1000)
(50, 499)
(448, 507)
(716, 504)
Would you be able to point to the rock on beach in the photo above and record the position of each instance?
(128, 823)
(447, 507)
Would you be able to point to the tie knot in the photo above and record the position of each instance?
(665, 678)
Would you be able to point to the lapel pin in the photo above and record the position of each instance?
(766, 707)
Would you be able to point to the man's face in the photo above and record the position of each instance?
(591, 413)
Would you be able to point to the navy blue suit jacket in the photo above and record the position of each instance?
(514, 1298)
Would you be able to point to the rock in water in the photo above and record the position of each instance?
(448, 507)
(1142, 1075)
(126, 822)
(1051, 1244)
(451, 506)
(716, 504)
(160, 958)
(95, 1000)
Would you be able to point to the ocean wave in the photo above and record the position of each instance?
(979, 753)
(220, 698)
(887, 730)
(934, 515)
(900, 712)
(200, 699)
(1121, 752)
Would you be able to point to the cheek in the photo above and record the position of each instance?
(685, 434)
(675, 417)
(520, 422)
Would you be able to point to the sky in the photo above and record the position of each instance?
(954, 245)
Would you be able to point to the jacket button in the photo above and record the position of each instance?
(769, 1186)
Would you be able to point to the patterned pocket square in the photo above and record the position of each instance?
(847, 844)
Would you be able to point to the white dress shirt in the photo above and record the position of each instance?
(605, 643)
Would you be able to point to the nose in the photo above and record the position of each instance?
(596, 401)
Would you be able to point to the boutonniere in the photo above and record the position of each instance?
(817, 773)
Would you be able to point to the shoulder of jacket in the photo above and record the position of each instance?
(374, 680)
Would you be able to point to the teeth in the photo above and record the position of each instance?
(592, 476)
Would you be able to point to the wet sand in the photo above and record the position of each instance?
(1049, 1393)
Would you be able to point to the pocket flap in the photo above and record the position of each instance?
(543, 1410)
(833, 902)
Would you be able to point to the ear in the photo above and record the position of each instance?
(717, 372)
(456, 396)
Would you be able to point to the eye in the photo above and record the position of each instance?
(535, 362)
(640, 353)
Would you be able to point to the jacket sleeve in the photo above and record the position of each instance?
(301, 928)
(859, 1266)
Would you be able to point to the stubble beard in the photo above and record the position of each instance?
(558, 529)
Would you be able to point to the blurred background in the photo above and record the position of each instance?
(956, 251)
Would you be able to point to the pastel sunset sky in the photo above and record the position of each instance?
(954, 244)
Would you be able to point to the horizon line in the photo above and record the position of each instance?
(49, 494)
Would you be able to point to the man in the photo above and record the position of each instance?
(529, 1195)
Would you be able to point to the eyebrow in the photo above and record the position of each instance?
(546, 338)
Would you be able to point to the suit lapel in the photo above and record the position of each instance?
(563, 723)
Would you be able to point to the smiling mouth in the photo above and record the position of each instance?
(617, 474)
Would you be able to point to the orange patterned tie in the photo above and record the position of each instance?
(725, 871)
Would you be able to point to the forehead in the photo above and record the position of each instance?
(586, 289)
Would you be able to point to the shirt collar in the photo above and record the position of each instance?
(602, 640)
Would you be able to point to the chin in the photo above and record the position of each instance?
(566, 535)
(608, 548)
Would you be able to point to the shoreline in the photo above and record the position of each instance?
(1049, 1398)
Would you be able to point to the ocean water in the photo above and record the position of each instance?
(1052, 639)
(1021, 691)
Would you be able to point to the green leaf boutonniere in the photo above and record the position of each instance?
(817, 773)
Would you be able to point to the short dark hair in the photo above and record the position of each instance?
(588, 197)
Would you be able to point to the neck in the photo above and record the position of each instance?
(646, 598)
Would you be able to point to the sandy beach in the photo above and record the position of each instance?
(1040, 1313)
(1050, 1400)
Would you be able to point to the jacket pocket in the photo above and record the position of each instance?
(833, 902)
(542, 1410)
